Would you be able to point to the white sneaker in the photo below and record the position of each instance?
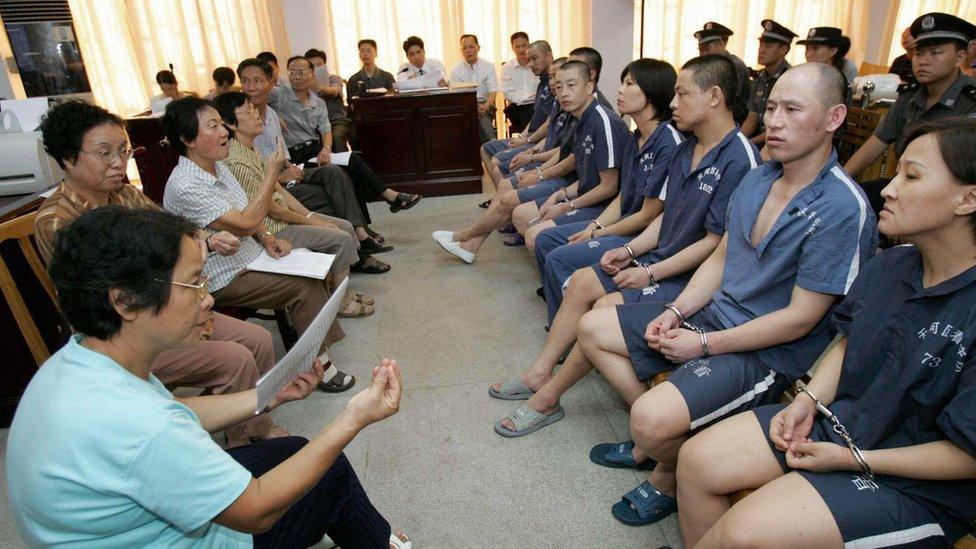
(446, 241)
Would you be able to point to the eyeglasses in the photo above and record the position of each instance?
(109, 157)
(298, 72)
(203, 288)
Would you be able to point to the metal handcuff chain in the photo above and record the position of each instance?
(840, 430)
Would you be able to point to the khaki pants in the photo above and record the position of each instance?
(236, 356)
(341, 242)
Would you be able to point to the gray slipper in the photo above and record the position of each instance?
(527, 421)
(512, 389)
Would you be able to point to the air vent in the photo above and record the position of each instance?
(34, 11)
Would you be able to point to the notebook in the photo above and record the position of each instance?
(300, 262)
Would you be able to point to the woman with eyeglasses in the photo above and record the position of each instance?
(101, 454)
(91, 146)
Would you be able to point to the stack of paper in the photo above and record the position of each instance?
(300, 262)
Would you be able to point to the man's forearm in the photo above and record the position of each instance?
(635, 222)
(540, 133)
(688, 259)
(865, 156)
(647, 239)
(605, 189)
(938, 460)
(560, 168)
(704, 283)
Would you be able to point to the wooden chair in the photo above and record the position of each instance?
(21, 229)
(859, 126)
(870, 68)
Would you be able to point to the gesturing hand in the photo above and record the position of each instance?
(381, 399)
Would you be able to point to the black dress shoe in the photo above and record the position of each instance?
(404, 201)
(369, 246)
(541, 292)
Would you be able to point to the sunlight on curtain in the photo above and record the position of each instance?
(125, 42)
(909, 10)
(440, 23)
(670, 25)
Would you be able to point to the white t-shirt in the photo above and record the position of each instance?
(481, 73)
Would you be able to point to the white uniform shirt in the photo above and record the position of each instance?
(518, 83)
(481, 73)
(411, 77)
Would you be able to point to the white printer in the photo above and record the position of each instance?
(24, 166)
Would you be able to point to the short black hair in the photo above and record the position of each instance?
(542, 45)
(313, 52)
(267, 57)
(591, 57)
(226, 104)
(956, 138)
(64, 126)
(518, 34)
(165, 77)
(113, 247)
(580, 67)
(223, 76)
(463, 36)
(369, 41)
(180, 121)
(412, 41)
(255, 62)
(656, 79)
(297, 57)
(714, 69)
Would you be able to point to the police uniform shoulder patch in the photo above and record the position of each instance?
(909, 87)
(969, 91)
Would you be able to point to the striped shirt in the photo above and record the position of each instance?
(249, 168)
(65, 205)
(202, 197)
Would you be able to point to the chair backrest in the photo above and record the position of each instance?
(870, 68)
(858, 127)
(21, 229)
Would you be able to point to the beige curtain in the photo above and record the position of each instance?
(564, 23)
(909, 10)
(670, 25)
(125, 42)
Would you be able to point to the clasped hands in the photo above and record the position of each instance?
(789, 431)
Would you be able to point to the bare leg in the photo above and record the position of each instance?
(601, 338)
(498, 214)
(523, 214)
(659, 424)
(727, 457)
(496, 173)
(546, 400)
(584, 290)
(532, 232)
(768, 518)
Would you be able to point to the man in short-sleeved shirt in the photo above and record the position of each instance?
(600, 138)
(306, 121)
(157, 481)
(475, 70)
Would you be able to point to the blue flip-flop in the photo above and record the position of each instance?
(619, 456)
(649, 506)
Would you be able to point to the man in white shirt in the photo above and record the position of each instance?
(418, 71)
(474, 70)
(519, 83)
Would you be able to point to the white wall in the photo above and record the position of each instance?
(307, 25)
(613, 36)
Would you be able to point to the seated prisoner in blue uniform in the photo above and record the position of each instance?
(702, 175)
(647, 87)
(597, 161)
(901, 382)
(754, 317)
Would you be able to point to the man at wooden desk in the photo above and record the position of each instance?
(475, 70)
(419, 72)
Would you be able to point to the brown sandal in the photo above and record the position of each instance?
(364, 299)
(355, 309)
(370, 265)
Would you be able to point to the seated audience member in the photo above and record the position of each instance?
(902, 65)
(102, 454)
(939, 89)
(223, 78)
(646, 91)
(329, 88)
(701, 176)
(325, 189)
(202, 189)
(277, 77)
(419, 72)
(900, 383)
(309, 137)
(714, 38)
(774, 44)
(754, 316)
(92, 147)
(170, 89)
(287, 218)
(596, 153)
(519, 83)
(472, 69)
(503, 150)
(829, 45)
(370, 76)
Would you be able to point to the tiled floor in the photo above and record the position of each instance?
(437, 470)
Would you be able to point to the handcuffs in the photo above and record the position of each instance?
(840, 430)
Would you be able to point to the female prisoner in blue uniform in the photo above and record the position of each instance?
(901, 382)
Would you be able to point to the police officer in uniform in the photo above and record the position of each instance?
(774, 44)
(714, 38)
(939, 89)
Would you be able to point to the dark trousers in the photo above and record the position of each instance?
(328, 190)
(519, 116)
(336, 506)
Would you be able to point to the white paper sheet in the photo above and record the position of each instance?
(300, 357)
(340, 159)
(300, 262)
